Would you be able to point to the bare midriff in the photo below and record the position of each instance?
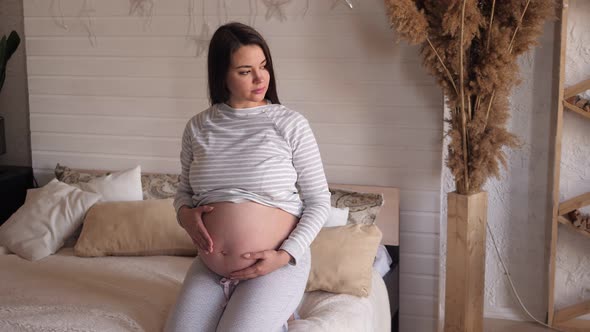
(239, 228)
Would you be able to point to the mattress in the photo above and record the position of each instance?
(67, 293)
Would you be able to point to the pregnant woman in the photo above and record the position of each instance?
(252, 196)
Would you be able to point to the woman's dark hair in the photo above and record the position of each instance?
(225, 41)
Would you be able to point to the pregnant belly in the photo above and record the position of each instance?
(239, 228)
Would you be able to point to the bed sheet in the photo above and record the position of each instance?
(67, 293)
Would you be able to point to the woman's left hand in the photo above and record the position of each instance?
(268, 261)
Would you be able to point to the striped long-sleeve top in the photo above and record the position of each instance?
(266, 154)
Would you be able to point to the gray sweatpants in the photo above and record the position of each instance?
(206, 302)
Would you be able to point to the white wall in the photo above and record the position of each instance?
(14, 106)
(519, 203)
(572, 277)
(376, 114)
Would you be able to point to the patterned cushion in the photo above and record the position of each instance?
(73, 177)
(154, 186)
(363, 207)
(159, 186)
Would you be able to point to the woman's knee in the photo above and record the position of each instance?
(200, 302)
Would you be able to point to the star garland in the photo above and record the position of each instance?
(275, 8)
(85, 14)
(61, 22)
(336, 2)
(144, 8)
(201, 39)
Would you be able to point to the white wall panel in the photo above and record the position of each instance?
(376, 114)
(425, 264)
(417, 284)
(416, 323)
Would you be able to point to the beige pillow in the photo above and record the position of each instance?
(342, 259)
(135, 228)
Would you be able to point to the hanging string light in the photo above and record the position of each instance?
(201, 39)
(348, 3)
(85, 15)
(305, 9)
(144, 8)
(222, 7)
(275, 8)
(253, 12)
(59, 22)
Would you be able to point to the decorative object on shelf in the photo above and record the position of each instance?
(580, 220)
(471, 47)
(579, 102)
(568, 214)
(574, 102)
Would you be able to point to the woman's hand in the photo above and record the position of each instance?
(192, 222)
(268, 261)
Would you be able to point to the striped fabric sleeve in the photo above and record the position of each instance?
(311, 183)
(184, 192)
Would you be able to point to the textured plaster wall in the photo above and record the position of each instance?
(518, 202)
(573, 250)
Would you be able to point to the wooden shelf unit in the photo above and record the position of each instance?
(565, 319)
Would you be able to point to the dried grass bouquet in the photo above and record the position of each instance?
(471, 47)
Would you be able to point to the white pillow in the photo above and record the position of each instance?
(338, 217)
(48, 216)
(118, 186)
(382, 261)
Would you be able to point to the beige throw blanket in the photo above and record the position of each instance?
(67, 293)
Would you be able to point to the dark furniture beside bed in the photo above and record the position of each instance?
(392, 283)
(14, 182)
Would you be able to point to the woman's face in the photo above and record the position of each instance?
(247, 77)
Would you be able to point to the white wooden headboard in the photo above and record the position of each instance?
(388, 217)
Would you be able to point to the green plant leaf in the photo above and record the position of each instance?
(12, 44)
(2, 53)
(7, 48)
(2, 61)
(2, 77)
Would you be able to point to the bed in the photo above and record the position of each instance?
(64, 292)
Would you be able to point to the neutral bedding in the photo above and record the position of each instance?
(67, 293)
(118, 280)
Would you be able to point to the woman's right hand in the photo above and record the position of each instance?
(192, 222)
